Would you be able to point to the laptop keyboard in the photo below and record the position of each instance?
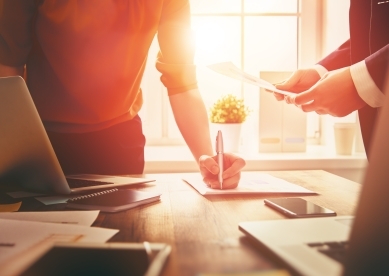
(79, 183)
(334, 250)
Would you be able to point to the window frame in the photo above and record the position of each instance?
(158, 129)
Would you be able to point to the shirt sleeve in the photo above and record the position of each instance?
(366, 87)
(16, 17)
(177, 48)
(320, 69)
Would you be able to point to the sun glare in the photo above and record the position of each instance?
(217, 39)
(210, 38)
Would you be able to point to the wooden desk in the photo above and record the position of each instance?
(203, 232)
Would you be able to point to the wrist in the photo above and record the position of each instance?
(320, 69)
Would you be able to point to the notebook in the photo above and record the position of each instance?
(27, 157)
(350, 245)
(113, 200)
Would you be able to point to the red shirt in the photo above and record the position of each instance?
(85, 59)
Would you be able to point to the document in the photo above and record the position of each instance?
(230, 70)
(85, 218)
(18, 236)
(50, 200)
(259, 183)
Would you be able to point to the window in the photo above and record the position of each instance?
(256, 35)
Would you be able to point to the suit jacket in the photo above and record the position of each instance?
(369, 41)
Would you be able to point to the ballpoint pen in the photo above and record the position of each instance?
(219, 153)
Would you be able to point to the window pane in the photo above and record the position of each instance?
(270, 44)
(217, 40)
(215, 6)
(272, 6)
(152, 91)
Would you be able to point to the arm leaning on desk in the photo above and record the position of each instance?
(203, 232)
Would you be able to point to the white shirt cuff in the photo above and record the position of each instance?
(366, 87)
(320, 69)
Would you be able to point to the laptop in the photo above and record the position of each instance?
(339, 245)
(27, 157)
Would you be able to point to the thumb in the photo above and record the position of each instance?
(290, 82)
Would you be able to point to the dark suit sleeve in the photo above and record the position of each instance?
(377, 65)
(338, 59)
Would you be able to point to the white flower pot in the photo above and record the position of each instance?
(231, 135)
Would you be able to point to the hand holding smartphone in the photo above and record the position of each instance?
(298, 208)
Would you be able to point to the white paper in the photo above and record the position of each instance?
(259, 183)
(230, 70)
(85, 218)
(17, 236)
(50, 200)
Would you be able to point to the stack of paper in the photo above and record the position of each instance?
(26, 234)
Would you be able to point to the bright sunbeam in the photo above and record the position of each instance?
(210, 38)
(217, 39)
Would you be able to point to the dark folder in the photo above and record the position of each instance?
(113, 200)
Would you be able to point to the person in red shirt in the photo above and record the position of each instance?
(83, 62)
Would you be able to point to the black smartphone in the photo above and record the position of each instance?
(298, 208)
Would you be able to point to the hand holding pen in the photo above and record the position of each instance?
(221, 171)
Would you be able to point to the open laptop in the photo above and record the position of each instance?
(27, 157)
(339, 245)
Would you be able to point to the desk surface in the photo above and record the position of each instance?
(203, 231)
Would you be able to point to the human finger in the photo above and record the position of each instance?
(309, 107)
(208, 163)
(211, 181)
(320, 112)
(229, 183)
(304, 97)
(291, 83)
(278, 96)
(233, 165)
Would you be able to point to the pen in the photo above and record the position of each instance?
(219, 153)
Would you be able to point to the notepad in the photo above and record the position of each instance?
(259, 183)
(113, 200)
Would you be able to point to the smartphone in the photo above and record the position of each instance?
(298, 208)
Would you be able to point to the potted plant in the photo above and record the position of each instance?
(227, 114)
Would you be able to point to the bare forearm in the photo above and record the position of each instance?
(192, 120)
(7, 71)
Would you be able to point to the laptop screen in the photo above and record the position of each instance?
(369, 241)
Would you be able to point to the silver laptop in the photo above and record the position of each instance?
(26, 155)
(339, 245)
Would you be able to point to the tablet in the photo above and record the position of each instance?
(114, 259)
